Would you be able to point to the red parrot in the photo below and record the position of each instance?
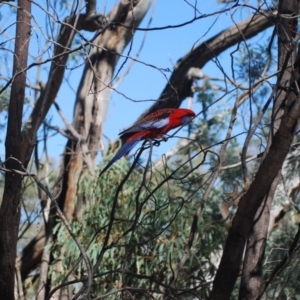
(153, 126)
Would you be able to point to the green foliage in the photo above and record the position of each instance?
(286, 284)
(150, 223)
(4, 100)
(251, 62)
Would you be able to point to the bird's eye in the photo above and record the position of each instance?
(186, 119)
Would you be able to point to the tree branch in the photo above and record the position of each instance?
(179, 85)
(10, 206)
(56, 73)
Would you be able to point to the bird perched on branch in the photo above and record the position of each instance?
(153, 126)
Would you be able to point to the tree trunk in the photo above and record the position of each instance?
(93, 97)
(252, 283)
(229, 267)
(11, 207)
(252, 275)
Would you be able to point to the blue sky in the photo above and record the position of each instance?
(162, 49)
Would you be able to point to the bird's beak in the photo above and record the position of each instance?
(186, 119)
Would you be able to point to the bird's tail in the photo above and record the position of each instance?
(124, 150)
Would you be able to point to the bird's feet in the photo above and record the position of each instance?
(164, 138)
(157, 142)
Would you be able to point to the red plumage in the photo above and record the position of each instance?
(153, 126)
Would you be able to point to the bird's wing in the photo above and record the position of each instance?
(147, 124)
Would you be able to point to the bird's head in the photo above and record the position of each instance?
(184, 115)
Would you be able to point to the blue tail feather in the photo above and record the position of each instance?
(124, 150)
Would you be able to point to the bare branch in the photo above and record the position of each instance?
(48, 94)
(179, 85)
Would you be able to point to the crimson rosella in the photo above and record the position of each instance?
(153, 126)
